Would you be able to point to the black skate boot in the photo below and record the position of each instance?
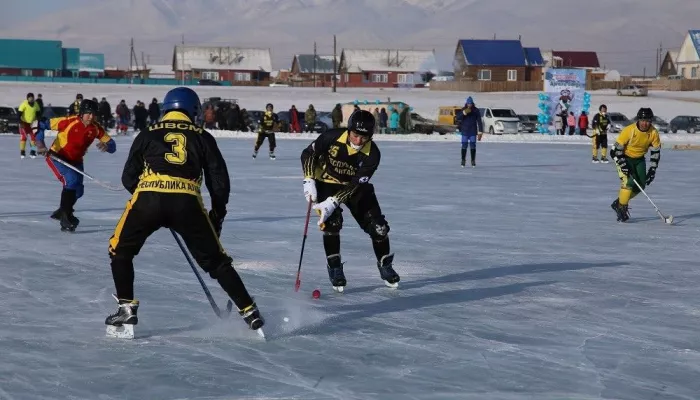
(68, 221)
(272, 155)
(22, 154)
(595, 160)
(621, 210)
(121, 324)
(472, 153)
(386, 271)
(464, 157)
(335, 273)
(32, 154)
(56, 214)
(255, 153)
(251, 316)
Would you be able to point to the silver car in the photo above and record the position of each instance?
(632, 90)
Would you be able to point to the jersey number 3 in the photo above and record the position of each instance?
(179, 154)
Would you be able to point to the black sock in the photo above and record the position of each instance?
(331, 244)
(381, 248)
(123, 275)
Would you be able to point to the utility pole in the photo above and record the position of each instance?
(182, 67)
(143, 65)
(335, 65)
(314, 68)
(131, 61)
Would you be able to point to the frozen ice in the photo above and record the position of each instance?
(517, 283)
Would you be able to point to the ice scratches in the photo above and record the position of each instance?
(296, 380)
(596, 370)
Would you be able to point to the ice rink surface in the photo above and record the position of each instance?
(517, 283)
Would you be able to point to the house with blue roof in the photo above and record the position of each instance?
(688, 59)
(497, 60)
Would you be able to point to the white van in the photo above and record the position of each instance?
(499, 121)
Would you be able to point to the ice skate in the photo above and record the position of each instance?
(595, 160)
(604, 160)
(386, 271)
(22, 155)
(272, 155)
(32, 154)
(121, 324)
(464, 162)
(622, 211)
(335, 273)
(251, 316)
(255, 153)
(56, 214)
(68, 222)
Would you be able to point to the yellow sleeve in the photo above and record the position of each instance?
(624, 137)
(105, 138)
(60, 141)
(22, 106)
(655, 140)
(55, 121)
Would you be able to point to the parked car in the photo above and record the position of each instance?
(255, 116)
(528, 123)
(688, 123)
(209, 82)
(659, 124)
(632, 90)
(447, 115)
(9, 120)
(617, 122)
(55, 111)
(429, 126)
(498, 121)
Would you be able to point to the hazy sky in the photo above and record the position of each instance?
(616, 29)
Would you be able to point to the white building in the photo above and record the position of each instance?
(688, 60)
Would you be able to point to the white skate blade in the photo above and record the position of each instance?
(260, 333)
(392, 285)
(338, 289)
(121, 332)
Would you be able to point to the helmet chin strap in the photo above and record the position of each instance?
(355, 146)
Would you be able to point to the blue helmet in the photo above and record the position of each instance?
(183, 99)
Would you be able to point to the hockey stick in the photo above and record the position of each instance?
(104, 185)
(214, 306)
(669, 219)
(297, 284)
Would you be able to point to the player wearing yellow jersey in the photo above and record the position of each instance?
(628, 152)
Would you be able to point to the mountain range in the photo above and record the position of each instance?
(625, 33)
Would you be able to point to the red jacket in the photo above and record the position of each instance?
(74, 137)
(583, 121)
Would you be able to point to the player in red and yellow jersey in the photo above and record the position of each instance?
(75, 134)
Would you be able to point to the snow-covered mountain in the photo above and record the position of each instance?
(624, 32)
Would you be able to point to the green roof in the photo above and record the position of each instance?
(31, 54)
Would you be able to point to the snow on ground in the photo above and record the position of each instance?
(517, 283)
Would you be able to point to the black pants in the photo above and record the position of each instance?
(270, 138)
(145, 213)
(364, 207)
(602, 141)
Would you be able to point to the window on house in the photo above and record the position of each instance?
(26, 72)
(241, 76)
(694, 72)
(212, 75)
(404, 78)
(683, 72)
(347, 77)
(512, 75)
(380, 78)
(484, 75)
(670, 65)
(48, 73)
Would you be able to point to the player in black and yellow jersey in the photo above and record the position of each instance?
(600, 124)
(337, 168)
(628, 152)
(164, 173)
(266, 129)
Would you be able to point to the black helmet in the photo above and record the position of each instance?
(362, 122)
(645, 113)
(602, 106)
(269, 105)
(88, 107)
(78, 96)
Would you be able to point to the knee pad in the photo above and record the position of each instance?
(376, 227)
(333, 224)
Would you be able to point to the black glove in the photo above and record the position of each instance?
(622, 163)
(651, 174)
(217, 220)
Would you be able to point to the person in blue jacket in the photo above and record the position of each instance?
(42, 125)
(469, 125)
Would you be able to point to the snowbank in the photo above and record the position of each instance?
(669, 140)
